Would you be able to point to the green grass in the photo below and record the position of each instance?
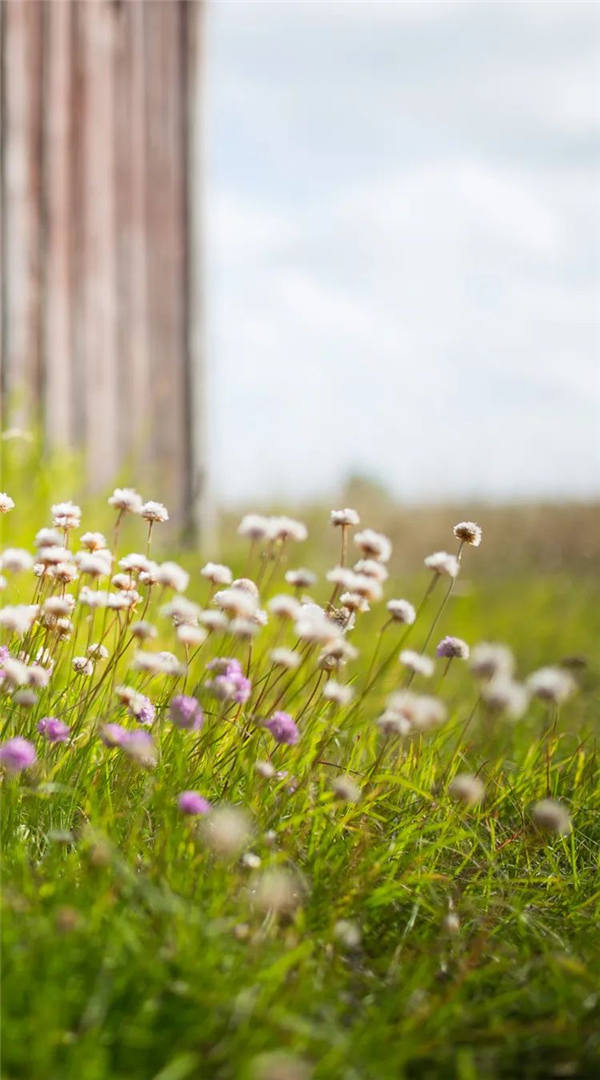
(131, 951)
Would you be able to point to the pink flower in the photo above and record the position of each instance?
(191, 802)
(17, 754)
(283, 728)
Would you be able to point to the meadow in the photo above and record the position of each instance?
(266, 823)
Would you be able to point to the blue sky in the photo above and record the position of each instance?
(403, 247)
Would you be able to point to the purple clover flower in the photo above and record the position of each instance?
(283, 728)
(191, 802)
(54, 730)
(17, 754)
(185, 712)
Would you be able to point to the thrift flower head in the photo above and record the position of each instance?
(185, 712)
(551, 816)
(401, 611)
(172, 576)
(283, 728)
(374, 545)
(337, 692)
(285, 528)
(113, 734)
(468, 533)
(6, 503)
(551, 684)
(345, 517)
(140, 748)
(489, 660)
(15, 560)
(54, 730)
(442, 563)
(453, 647)
(66, 515)
(278, 891)
(255, 526)
(217, 573)
(226, 830)
(17, 754)
(345, 789)
(301, 578)
(154, 511)
(93, 541)
(126, 499)
(503, 695)
(414, 661)
(191, 802)
(467, 789)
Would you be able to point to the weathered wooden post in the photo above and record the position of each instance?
(101, 238)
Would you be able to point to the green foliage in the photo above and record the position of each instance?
(131, 950)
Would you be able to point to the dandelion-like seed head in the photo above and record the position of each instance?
(468, 533)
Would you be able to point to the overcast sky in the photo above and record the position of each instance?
(403, 219)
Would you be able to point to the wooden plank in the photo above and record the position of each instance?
(134, 431)
(98, 296)
(21, 41)
(57, 133)
(166, 250)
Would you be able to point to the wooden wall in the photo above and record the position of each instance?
(100, 237)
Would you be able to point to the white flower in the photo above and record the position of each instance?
(285, 658)
(251, 861)
(191, 635)
(285, 528)
(162, 663)
(154, 511)
(237, 602)
(443, 563)
(213, 620)
(255, 526)
(414, 661)
(92, 564)
(371, 568)
(468, 533)
(247, 585)
(15, 672)
(143, 630)
(93, 540)
(126, 499)
(134, 563)
(83, 666)
(173, 576)
(243, 628)
(551, 816)
(401, 611)
(59, 605)
(65, 572)
(122, 582)
(504, 695)
(16, 560)
(313, 625)
(394, 723)
(421, 710)
(278, 891)
(467, 789)
(344, 517)
(47, 538)
(374, 545)
(285, 607)
(6, 503)
(217, 573)
(347, 933)
(66, 515)
(301, 578)
(38, 676)
(551, 684)
(97, 651)
(265, 769)
(51, 556)
(346, 789)
(18, 618)
(337, 692)
(490, 660)
(353, 601)
(226, 829)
